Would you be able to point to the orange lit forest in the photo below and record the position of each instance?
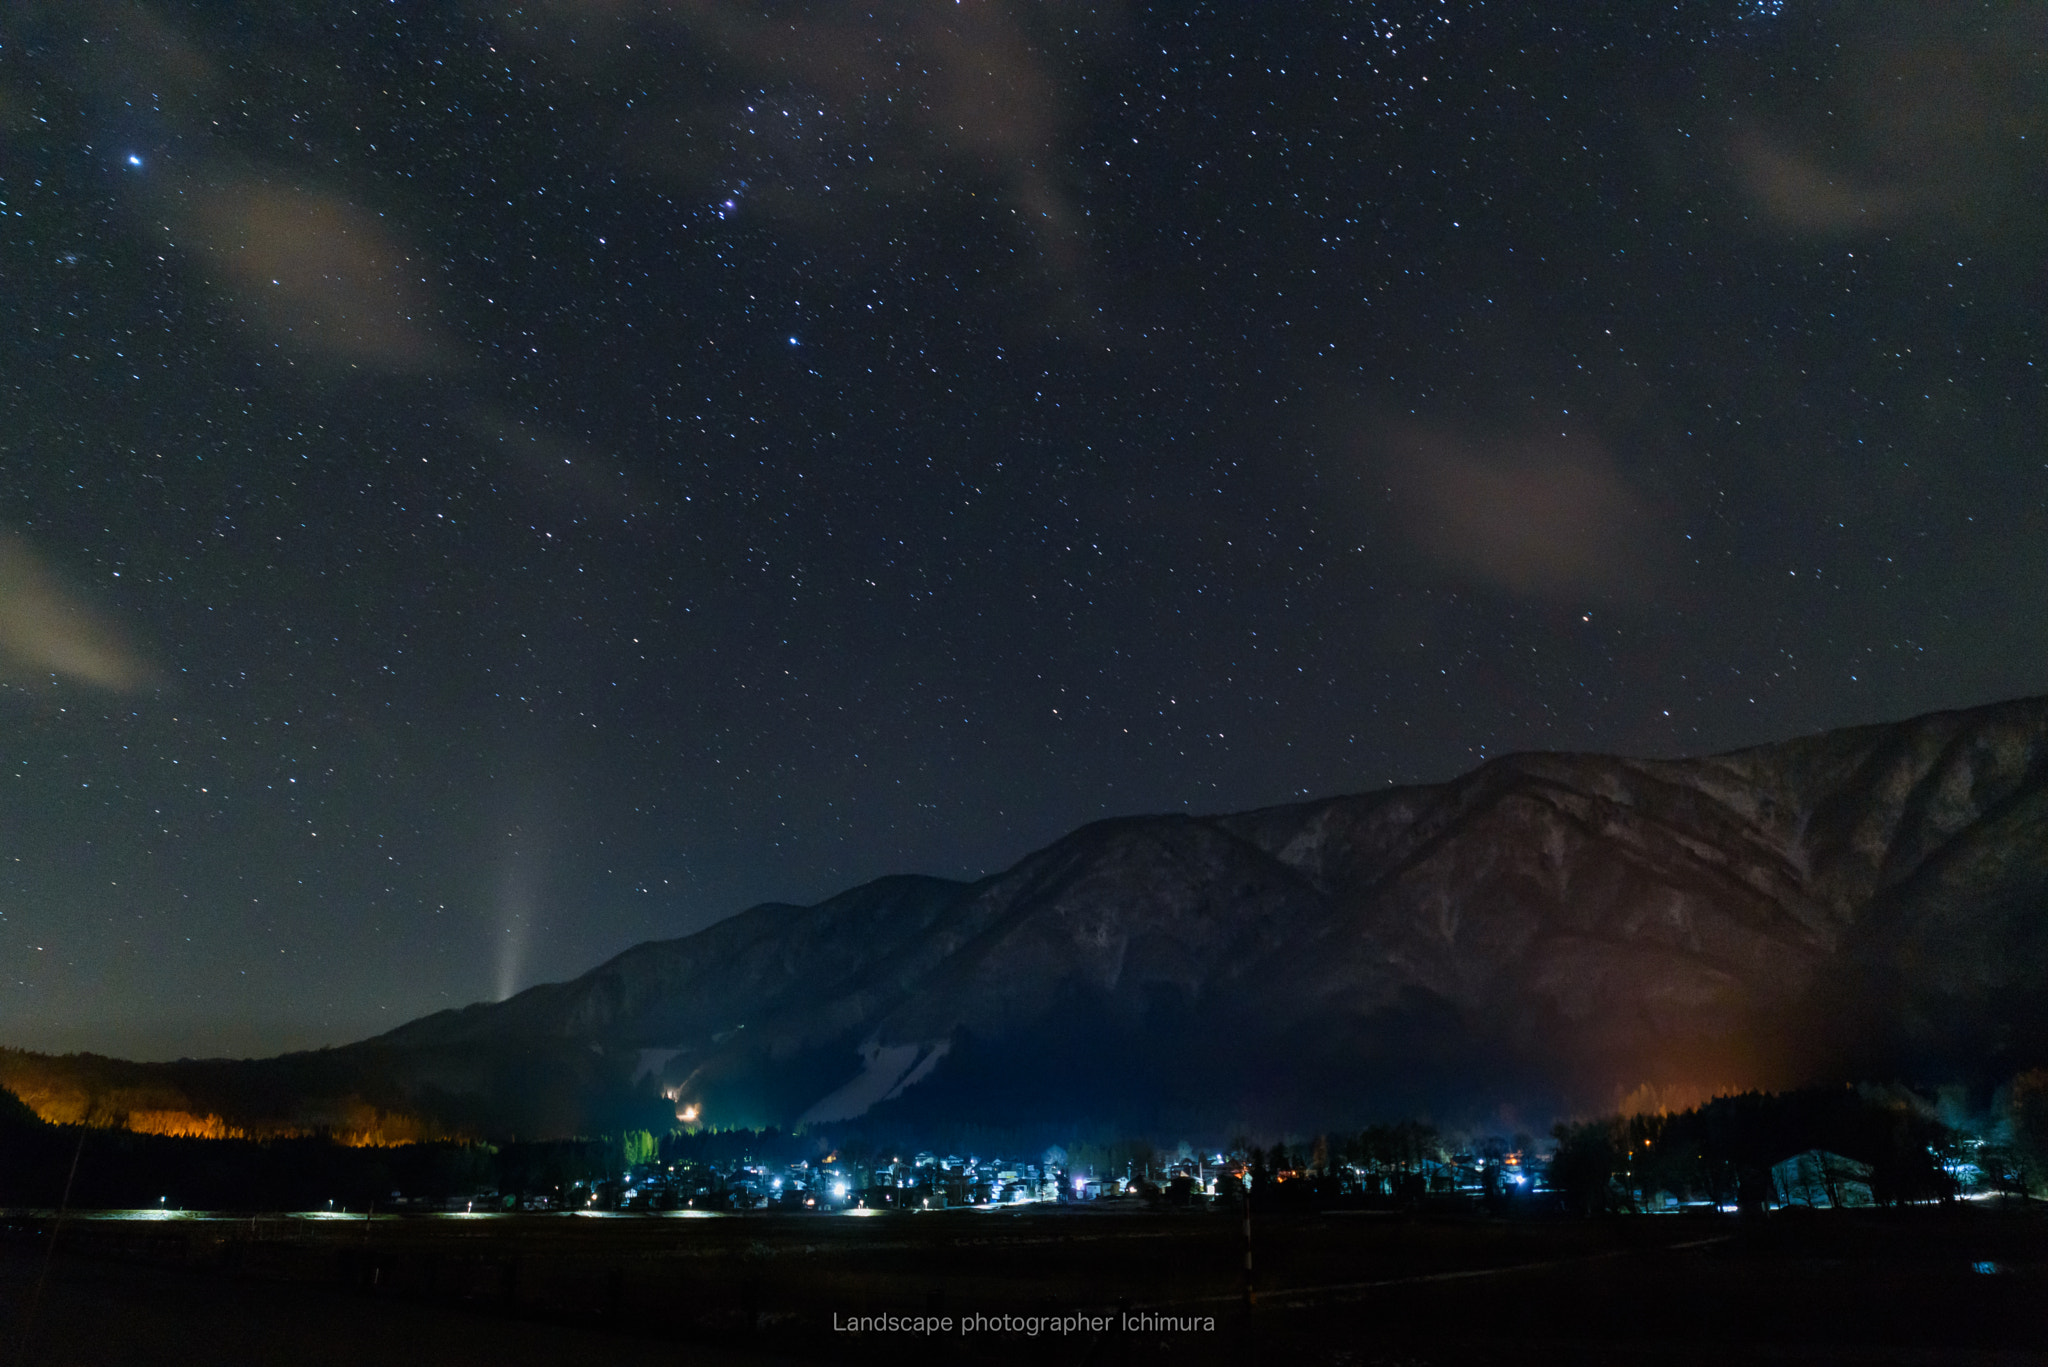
(105, 1093)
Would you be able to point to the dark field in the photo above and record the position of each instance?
(1963, 1284)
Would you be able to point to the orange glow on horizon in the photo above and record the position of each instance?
(360, 1127)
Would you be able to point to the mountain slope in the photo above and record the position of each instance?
(1542, 932)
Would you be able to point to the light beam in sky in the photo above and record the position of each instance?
(516, 905)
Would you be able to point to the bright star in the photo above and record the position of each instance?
(134, 159)
(794, 342)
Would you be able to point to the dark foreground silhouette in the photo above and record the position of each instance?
(1953, 1283)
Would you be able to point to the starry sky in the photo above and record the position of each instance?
(485, 485)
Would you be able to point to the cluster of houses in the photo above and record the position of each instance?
(923, 1182)
(928, 1181)
(1815, 1179)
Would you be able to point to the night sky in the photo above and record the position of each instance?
(482, 486)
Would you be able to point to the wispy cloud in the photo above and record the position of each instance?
(1798, 191)
(309, 269)
(1936, 117)
(46, 627)
(1545, 517)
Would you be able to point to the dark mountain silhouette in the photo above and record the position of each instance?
(1546, 932)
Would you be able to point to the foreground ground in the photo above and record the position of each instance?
(1959, 1285)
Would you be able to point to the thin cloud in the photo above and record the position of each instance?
(310, 270)
(1547, 518)
(1800, 192)
(1936, 119)
(48, 628)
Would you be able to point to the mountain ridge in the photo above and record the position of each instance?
(1543, 931)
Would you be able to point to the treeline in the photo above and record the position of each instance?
(1725, 1150)
(293, 1096)
(118, 1169)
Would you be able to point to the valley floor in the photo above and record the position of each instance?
(1951, 1285)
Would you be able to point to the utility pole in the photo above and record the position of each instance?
(1251, 1296)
